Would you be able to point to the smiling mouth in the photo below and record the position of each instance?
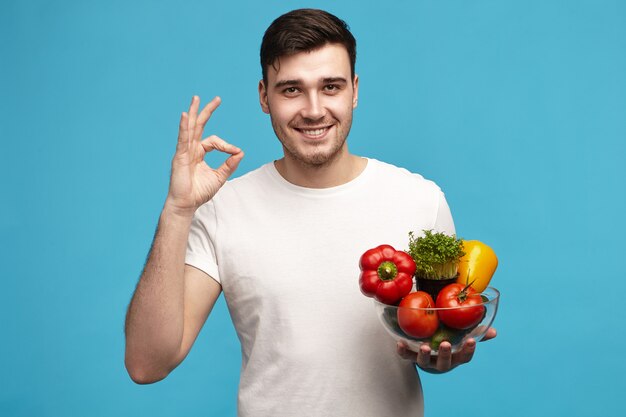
(314, 133)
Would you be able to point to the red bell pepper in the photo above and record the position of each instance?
(386, 274)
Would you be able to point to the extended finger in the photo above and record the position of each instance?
(444, 357)
(183, 134)
(205, 115)
(193, 116)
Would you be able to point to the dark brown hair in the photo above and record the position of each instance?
(304, 30)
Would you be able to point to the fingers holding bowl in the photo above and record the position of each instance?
(448, 346)
(491, 333)
(423, 357)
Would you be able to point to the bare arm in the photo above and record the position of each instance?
(173, 300)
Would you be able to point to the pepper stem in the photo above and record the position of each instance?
(387, 270)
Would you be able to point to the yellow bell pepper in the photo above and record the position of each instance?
(477, 265)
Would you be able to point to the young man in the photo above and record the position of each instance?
(283, 242)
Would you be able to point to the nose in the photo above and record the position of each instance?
(313, 107)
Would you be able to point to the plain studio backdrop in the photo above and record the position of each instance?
(517, 109)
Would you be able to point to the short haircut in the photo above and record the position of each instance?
(304, 30)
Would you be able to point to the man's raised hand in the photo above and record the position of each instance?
(193, 182)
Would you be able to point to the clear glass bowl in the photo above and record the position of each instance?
(388, 315)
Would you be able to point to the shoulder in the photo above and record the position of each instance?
(258, 175)
(245, 190)
(398, 175)
(250, 183)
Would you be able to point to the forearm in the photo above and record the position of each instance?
(155, 322)
(155, 318)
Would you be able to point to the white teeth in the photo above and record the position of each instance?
(315, 132)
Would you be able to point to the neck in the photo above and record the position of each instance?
(340, 170)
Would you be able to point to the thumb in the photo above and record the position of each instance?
(230, 165)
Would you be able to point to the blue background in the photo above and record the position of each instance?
(516, 108)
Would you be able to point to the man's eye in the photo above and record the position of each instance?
(291, 90)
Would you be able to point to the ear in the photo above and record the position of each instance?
(263, 97)
(355, 91)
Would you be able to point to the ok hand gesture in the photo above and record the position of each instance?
(193, 182)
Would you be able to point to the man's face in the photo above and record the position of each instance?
(310, 99)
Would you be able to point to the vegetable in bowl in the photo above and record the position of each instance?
(436, 255)
(414, 326)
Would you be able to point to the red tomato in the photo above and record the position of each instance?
(413, 319)
(470, 309)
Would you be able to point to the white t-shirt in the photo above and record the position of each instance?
(287, 260)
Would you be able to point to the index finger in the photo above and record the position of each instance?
(215, 142)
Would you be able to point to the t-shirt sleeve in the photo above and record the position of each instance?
(200, 248)
(443, 221)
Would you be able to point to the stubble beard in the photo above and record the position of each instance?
(317, 158)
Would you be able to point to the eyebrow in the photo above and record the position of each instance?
(296, 82)
(287, 83)
(335, 80)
